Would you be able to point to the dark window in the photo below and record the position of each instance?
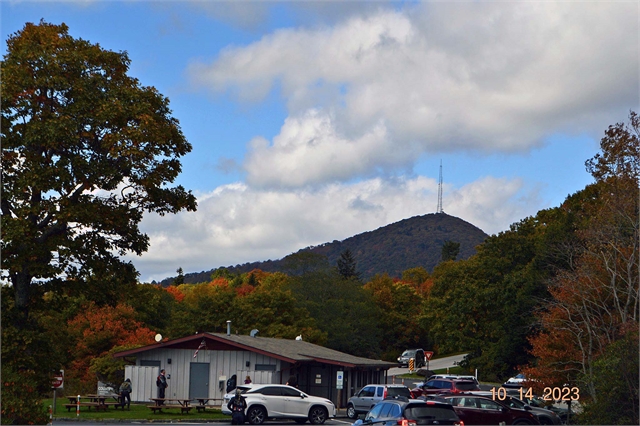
(367, 391)
(399, 391)
(444, 385)
(430, 412)
(149, 363)
(379, 391)
(290, 392)
(265, 367)
(466, 386)
(269, 390)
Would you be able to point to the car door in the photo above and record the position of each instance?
(492, 412)
(365, 399)
(295, 404)
(467, 409)
(272, 398)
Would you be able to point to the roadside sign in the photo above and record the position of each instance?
(428, 355)
(340, 380)
(58, 380)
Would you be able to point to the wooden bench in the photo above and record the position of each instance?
(97, 405)
(182, 408)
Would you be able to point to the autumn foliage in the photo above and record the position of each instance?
(97, 330)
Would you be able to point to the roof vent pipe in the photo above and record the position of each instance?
(228, 327)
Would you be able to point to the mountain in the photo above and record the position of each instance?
(394, 248)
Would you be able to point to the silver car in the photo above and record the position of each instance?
(370, 395)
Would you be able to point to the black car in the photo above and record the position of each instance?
(394, 411)
(418, 356)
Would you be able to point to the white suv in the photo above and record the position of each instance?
(282, 402)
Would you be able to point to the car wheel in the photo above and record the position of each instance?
(351, 412)
(301, 421)
(318, 415)
(256, 415)
(545, 420)
(522, 422)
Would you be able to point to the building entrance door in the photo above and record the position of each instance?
(199, 380)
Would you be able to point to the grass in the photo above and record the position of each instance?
(137, 412)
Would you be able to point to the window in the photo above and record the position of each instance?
(149, 363)
(270, 390)
(367, 391)
(379, 391)
(487, 404)
(375, 411)
(265, 367)
(384, 412)
(290, 392)
(395, 411)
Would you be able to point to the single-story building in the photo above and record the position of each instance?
(199, 366)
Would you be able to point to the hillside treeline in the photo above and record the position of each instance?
(556, 296)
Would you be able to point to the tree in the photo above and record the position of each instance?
(347, 266)
(86, 150)
(180, 278)
(594, 310)
(450, 250)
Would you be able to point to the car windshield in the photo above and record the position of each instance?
(466, 386)
(425, 414)
(399, 391)
(408, 353)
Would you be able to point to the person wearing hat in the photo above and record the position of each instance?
(125, 393)
(237, 405)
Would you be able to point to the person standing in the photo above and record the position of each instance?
(161, 383)
(125, 393)
(237, 405)
(247, 380)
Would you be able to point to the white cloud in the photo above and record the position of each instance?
(238, 224)
(374, 91)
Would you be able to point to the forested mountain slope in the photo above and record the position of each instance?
(391, 249)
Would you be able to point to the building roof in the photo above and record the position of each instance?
(292, 351)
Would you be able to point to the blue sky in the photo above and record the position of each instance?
(315, 121)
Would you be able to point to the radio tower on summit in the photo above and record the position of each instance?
(439, 210)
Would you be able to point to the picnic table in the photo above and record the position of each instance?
(202, 403)
(99, 402)
(161, 403)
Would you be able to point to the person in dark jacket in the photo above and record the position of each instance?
(162, 384)
(237, 405)
(125, 393)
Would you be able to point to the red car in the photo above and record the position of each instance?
(437, 386)
(482, 410)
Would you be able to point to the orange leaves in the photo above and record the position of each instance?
(175, 292)
(99, 329)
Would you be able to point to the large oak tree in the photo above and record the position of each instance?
(86, 151)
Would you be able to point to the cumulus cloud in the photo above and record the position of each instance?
(375, 90)
(236, 223)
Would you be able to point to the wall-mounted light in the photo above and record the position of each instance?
(168, 360)
(248, 363)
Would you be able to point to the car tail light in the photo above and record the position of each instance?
(460, 424)
(405, 422)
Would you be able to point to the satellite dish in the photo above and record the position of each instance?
(158, 337)
(253, 332)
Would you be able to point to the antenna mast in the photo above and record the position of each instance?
(439, 210)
